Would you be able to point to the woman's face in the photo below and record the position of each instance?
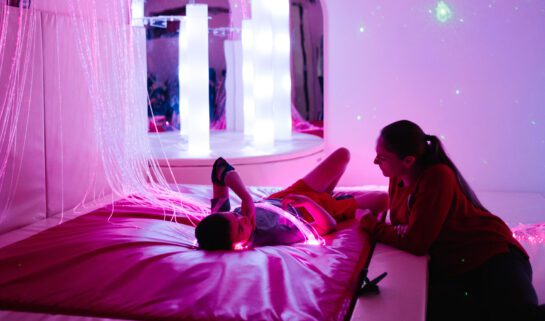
(390, 164)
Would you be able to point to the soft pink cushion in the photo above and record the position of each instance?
(136, 265)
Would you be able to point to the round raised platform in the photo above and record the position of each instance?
(286, 161)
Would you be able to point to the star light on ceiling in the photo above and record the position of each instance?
(443, 12)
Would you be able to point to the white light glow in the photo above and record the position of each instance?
(263, 86)
(137, 13)
(193, 75)
(264, 40)
(280, 9)
(286, 82)
(234, 108)
(264, 134)
(183, 80)
(282, 43)
(282, 72)
(266, 72)
(247, 38)
(442, 12)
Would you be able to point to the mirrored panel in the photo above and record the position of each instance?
(163, 22)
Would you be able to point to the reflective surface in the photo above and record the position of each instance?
(306, 24)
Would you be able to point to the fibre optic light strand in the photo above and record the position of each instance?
(122, 141)
(119, 157)
(530, 233)
(13, 132)
(311, 236)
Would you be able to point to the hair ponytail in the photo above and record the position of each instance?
(435, 154)
(406, 138)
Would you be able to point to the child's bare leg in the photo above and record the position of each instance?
(325, 176)
(220, 191)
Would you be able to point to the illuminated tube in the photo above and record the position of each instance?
(282, 74)
(234, 108)
(247, 39)
(263, 74)
(193, 77)
(183, 64)
(137, 13)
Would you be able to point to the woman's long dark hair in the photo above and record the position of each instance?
(405, 138)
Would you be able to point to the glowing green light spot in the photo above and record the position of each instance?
(442, 12)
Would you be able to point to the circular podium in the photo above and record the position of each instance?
(280, 165)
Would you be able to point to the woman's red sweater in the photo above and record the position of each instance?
(442, 222)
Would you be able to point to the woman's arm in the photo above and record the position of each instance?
(431, 207)
(323, 222)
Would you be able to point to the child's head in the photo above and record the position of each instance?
(221, 231)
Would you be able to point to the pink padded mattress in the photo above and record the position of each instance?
(134, 266)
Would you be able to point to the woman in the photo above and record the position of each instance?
(478, 271)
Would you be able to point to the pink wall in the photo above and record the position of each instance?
(406, 64)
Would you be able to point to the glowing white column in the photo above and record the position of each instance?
(247, 39)
(137, 13)
(263, 73)
(234, 108)
(193, 79)
(282, 74)
(183, 82)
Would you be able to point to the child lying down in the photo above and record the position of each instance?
(309, 199)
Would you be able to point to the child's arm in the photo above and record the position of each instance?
(323, 222)
(234, 182)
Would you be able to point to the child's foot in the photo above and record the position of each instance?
(219, 170)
